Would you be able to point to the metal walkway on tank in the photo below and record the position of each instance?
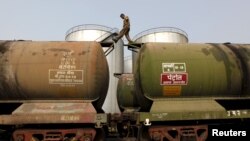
(103, 40)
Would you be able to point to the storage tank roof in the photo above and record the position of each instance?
(160, 29)
(90, 27)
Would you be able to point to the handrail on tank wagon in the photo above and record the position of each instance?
(103, 37)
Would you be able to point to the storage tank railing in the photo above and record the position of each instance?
(160, 29)
(90, 27)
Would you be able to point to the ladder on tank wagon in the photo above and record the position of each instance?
(106, 43)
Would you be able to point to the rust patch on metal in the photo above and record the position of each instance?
(4, 46)
(82, 53)
(59, 49)
(47, 118)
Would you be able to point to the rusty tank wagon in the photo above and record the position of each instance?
(52, 83)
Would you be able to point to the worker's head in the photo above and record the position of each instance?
(122, 15)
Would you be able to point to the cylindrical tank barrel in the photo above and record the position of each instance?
(100, 33)
(167, 70)
(126, 97)
(52, 71)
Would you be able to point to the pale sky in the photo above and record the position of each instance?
(204, 21)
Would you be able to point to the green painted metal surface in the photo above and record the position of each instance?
(186, 105)
(194, 115)
(191, 109)
(166, 70)
(242, 51)
(126, 92)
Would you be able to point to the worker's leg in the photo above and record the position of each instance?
(119, 36)
(128, 37)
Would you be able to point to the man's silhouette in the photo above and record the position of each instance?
(125, 30)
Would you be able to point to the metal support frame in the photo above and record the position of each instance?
(87, 134)
(177, 133)
(134, 46)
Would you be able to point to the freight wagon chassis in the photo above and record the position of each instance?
(55, 122)
(54, 135)
(68, 122)
(190, 119)
(178, 133)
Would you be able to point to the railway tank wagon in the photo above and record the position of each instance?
(185, 73)
(51, 84)
(52, 70)
(178, 85)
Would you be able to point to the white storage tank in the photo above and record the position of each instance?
(162, 34)
(99, 33)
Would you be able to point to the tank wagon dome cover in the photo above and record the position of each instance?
(52, 71)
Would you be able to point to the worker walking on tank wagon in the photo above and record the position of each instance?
(125, 30)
